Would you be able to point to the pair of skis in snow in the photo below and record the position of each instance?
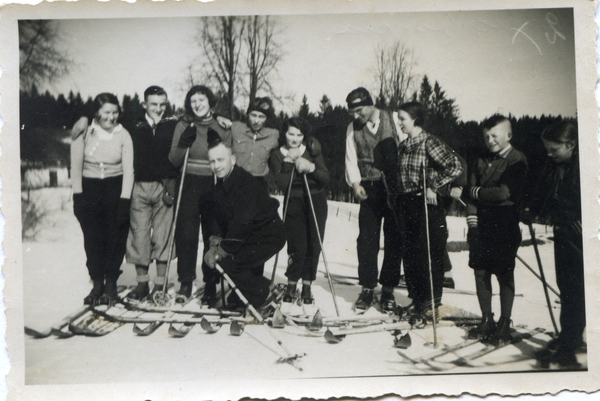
(430, 361)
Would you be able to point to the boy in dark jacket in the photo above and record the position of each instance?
(494, 191)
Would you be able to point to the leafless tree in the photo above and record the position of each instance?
(262, 53)
(221, 40)
(394, 74)
(40, 58)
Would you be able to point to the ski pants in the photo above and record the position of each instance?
(150, 224)
(196, 209)
(104, 236)
(416, 250)
(373, 211)
(568, 257)
(246, 266)
(302, 239)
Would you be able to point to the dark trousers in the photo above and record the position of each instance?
(197, 208)
(302, 239)
(372, 212)
(416, 254)
(104, 237)
(568, 259)
(246, 266)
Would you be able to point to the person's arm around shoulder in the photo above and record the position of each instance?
(127, 162)
(320, 172)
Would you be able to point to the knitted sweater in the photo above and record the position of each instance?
(198, 160)
(101, 154)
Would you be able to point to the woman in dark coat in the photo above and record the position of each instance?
(300, 159)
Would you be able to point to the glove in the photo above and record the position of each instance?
(304, 166)
(215, 240)
(294, 153)
(123, 211)
(359, 192)
(187, 137)
(78, 205)
(210, 257)
(168, 191)
(314, 147)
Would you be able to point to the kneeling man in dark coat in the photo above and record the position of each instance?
(249, 230)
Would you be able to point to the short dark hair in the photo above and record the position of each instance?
(564, 131)
(416, 111)
(104, 98)
(296, 122)
(202, 90)
(359, 97)
(154, 90)
(494, 120)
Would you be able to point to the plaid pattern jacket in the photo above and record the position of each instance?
(441, 165)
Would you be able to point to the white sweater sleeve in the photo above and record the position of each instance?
(77, 148)
(352, 172)
(127, 161)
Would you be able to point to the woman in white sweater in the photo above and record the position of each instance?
(102, 178)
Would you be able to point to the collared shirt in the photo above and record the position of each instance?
(252, 149)
(353, 175)
(427, 151)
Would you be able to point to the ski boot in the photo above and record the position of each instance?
(210, 291)
(141, 291)
(502, 333)
(485, 329)
(234, 304)
(449, 283)
(365, 299)
(110, 296)
(565, 357)
(290, 293)
(184, 293)
(387, 300)
(307, 298)
(94, 295)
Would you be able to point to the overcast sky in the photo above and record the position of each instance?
(520, 62)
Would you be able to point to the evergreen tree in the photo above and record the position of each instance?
(304, 110)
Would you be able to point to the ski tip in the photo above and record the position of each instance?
(37, 334)
(332, 338)
(208, 327)
(236, 328)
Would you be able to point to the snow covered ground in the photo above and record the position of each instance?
(55, 282)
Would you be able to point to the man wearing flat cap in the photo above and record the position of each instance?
(371, 162)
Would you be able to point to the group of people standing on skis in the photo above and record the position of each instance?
(401, 175)
(203, 172)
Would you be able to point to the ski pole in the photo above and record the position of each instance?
(312, 208)
(390, 200)
(434, 308)
(160, 297)
(239, 293)
(285, 206)
(543, 278)
(538, 276)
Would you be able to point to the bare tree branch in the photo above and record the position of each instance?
(40, 58)
(394, 74)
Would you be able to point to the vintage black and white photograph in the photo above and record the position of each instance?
(303, 198)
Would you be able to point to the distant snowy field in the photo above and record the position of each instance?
(55, 281)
